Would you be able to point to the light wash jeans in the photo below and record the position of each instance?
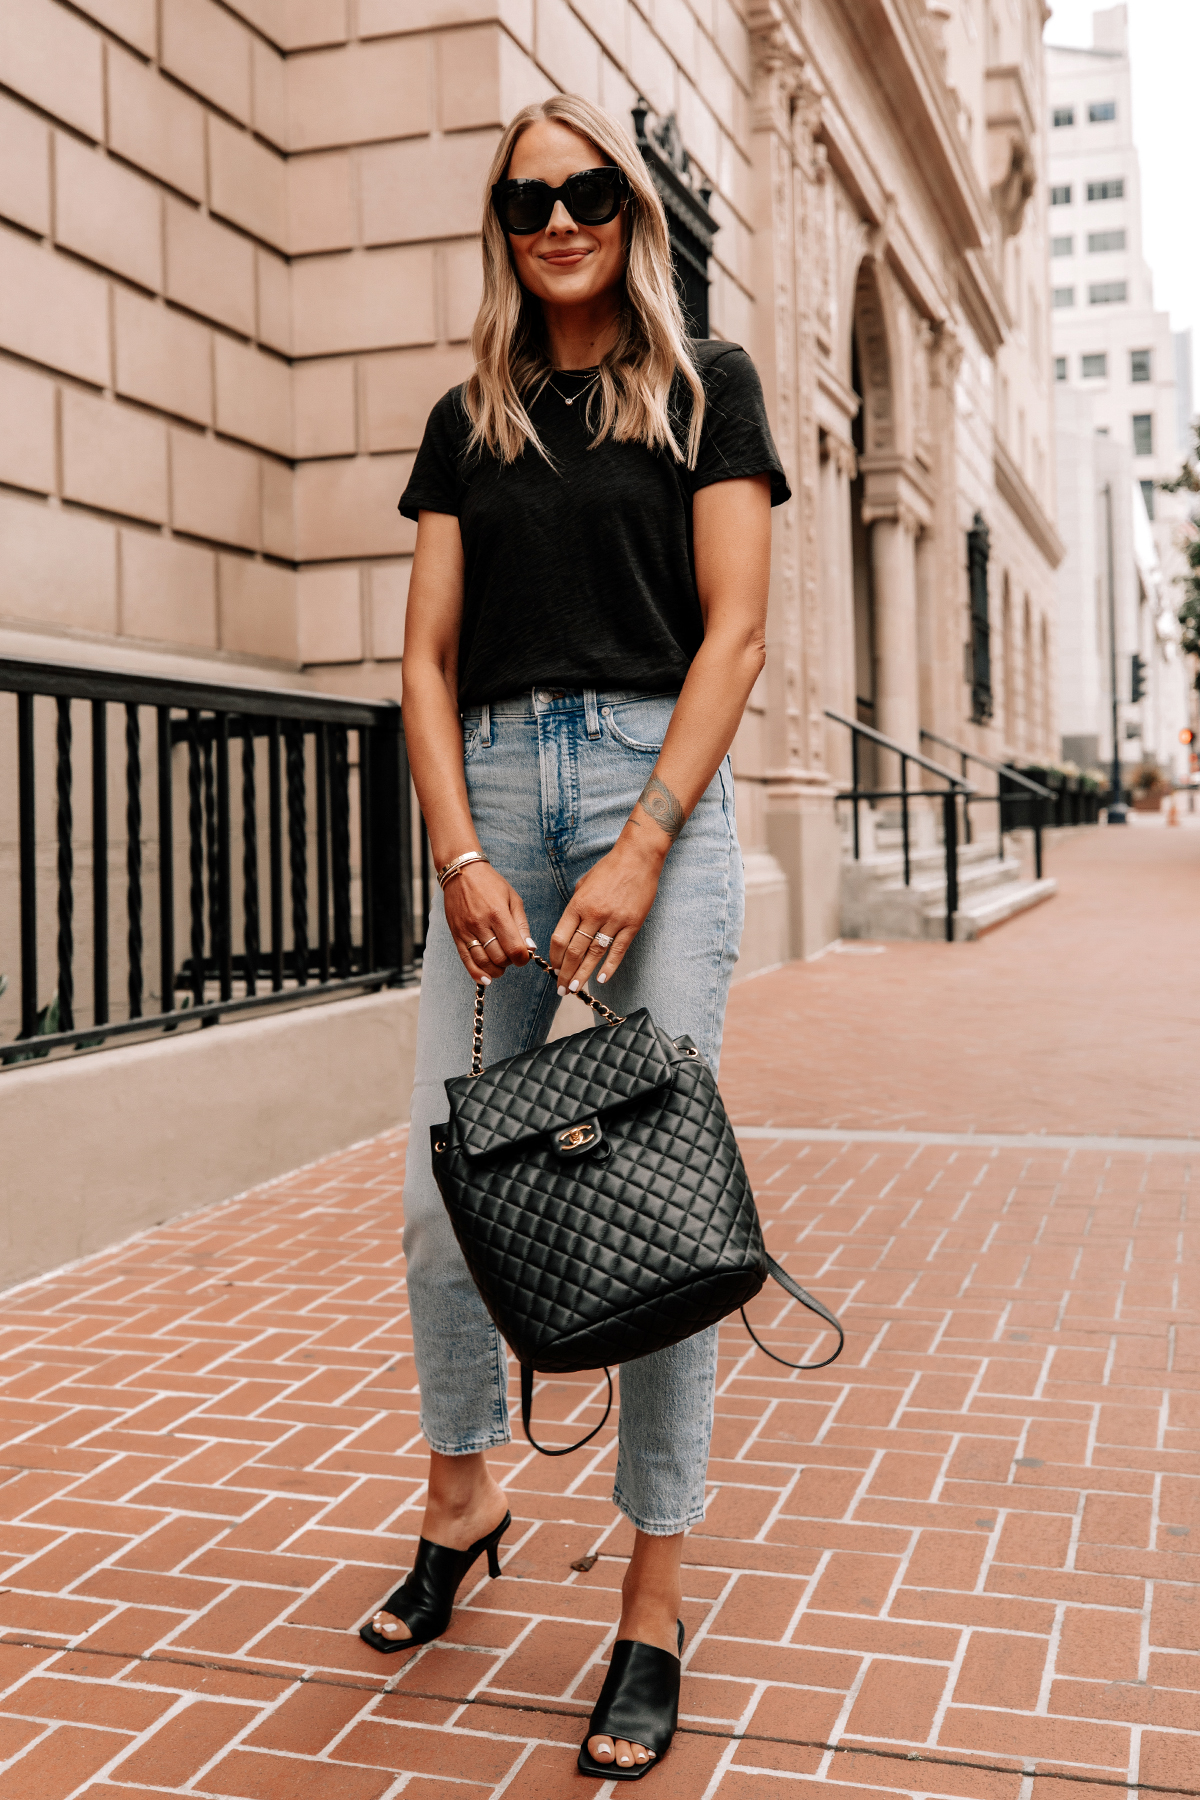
(552, 777)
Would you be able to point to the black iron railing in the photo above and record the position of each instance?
(1021, 802)
(952, 786)
(1075, 799)
(273, 832)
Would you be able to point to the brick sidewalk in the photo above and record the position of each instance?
(958, 1560)
(1079, 1016)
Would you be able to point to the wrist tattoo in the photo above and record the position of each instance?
(657, 799)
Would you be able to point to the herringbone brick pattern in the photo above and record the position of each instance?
(967, 1543)
(958, 1563)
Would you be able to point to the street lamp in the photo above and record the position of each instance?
(1116, 811)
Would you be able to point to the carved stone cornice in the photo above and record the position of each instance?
(778, 64)
(945, 355)
(1012, 161)
(1015, 490)
(841, 453)
(896, 488)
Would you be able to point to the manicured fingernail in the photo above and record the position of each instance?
(531, 943)
(602, 978)
(561, 992)
(574, 985)
(486, 980)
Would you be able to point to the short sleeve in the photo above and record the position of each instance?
(735, 440)
(436, 484)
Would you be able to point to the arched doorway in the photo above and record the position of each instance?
(864, 586)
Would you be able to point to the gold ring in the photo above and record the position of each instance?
(580, 932)
(603, 941)
(474, 944)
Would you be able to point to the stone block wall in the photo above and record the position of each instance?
(238, 264)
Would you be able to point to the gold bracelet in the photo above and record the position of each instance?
(457, 864)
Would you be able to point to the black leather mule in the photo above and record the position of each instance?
(639, 1702)
(425, 1598)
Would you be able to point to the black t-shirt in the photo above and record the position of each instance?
(581, 575)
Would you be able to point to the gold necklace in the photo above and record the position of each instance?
(570, 399)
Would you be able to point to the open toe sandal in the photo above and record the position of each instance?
(425, 1598)
(639, 1702)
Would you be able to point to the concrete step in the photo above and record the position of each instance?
(876, 903)
(889, 860)
(987, 910)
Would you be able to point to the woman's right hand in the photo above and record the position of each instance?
(480, 904)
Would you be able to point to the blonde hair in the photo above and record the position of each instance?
(631, 399)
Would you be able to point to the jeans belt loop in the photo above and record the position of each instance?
(590, 713)
(485, 725)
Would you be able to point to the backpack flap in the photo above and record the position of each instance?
(559, 1086)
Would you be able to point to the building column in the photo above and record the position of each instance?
(898, 679)
(801, 831)
(838, 464)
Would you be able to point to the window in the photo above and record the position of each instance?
(1140, 365)
(1107, 190)
(1095, 368)
(1100, 111)
(1063, 115)
(1105, 240)
(1060, 368)
(979, 652)
(1063, 297)
(1143, 434)
(690, 224)
(1060, 196)
(1108, 293)
(1147, 488)
(1062, 246)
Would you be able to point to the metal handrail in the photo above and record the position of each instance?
(956, 787)
(887, 743)
(1003, 772)
(258, 789)
(1017, 775)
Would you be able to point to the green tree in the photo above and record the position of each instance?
(1188, 481)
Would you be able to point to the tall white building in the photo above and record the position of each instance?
(1115, 373)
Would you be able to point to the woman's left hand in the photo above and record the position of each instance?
(610, 901)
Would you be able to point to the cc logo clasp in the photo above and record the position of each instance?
(575, 1139)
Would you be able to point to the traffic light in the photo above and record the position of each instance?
(1187, 735)
(1139, 677)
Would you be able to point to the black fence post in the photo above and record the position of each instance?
(99, 863)
(387, 821)
(950, 833)
(166, 865)
(904, 819)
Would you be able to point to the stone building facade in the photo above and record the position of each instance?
(239, 261)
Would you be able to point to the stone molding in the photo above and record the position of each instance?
(1012, 161)
(1015, 490)
(785, 786)
(897, 488)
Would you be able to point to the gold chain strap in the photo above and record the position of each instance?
(606, 1013)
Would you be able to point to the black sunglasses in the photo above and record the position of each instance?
(592, 197)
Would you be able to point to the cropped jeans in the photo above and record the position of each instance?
(552, 777)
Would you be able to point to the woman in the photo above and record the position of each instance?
(585, 623)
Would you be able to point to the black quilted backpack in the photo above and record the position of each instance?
(599, 1197)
